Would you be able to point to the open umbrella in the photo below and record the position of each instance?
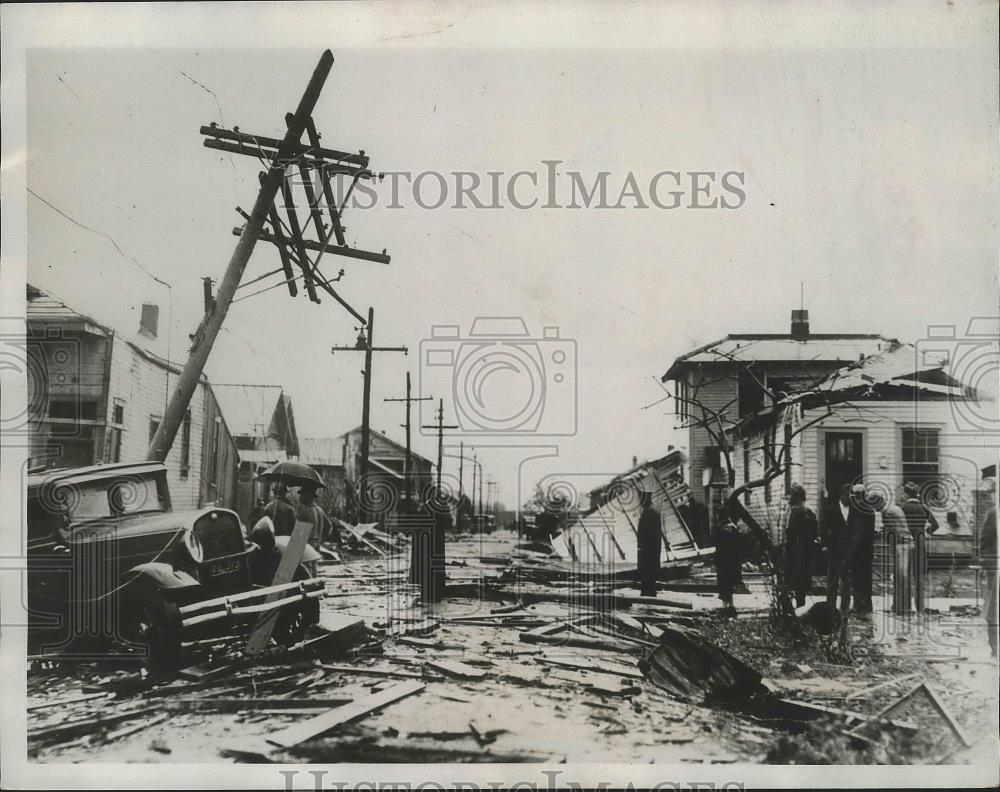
(293, 474)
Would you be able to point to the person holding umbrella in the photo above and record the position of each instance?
(310, 512)
(292, 474)
(280, 510)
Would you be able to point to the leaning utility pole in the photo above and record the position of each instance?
(364, 344)
(440, 430)
(278, 155)
(408, 466)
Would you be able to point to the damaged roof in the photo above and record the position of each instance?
(770, 347)
(903, 365)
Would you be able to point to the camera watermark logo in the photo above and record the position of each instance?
(502, 380)
(969, 373)
(50, 362)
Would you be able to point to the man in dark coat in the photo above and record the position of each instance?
(864, 556)
(800, 536)
(729, 543)
(921, 523)
(833, 533)
(649, 542)
(280, 510)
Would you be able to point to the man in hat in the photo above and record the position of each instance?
(864, 555)
(649, 541)
(844, 558)
(800, 536)
(921, 523)
(280, 510)
(310, 512)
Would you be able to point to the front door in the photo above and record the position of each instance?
(844, 461)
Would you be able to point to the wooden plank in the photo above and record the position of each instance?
(66, 701)
(455, 669)
(136, 727)
(593, 664)
(367, 671)
(249, 703)
(321, 724)
(290, 561)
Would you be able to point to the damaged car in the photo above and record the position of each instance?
(110, 564)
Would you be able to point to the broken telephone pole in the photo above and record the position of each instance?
(278, 156)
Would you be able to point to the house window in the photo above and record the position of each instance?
(921, 454)
(751, 392)
(683, 394)
(154, 424)
(114, 446)
(246, 472)
(186, 445)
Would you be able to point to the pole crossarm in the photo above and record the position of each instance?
(256, 142)
(311, 167)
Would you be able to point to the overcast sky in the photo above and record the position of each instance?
(867, 140)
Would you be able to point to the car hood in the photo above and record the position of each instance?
(152, 522)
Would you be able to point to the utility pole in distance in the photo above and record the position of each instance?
(408, 466)
(364, 344)
(440, 430)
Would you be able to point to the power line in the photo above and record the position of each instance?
(123, 254)
(108, 237)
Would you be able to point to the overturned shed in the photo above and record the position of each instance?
(608, 534)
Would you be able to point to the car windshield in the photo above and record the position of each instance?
(111, 498)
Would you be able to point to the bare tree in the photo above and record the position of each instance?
(723, 423)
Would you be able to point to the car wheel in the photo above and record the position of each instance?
(154, 623)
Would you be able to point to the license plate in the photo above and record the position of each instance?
(224, 568)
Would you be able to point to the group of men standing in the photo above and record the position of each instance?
(284, 513)
(847, 534)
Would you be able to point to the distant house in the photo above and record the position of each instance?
(325, 455)
(732, 378)
(338, 461)
(882, 421)
(96, 396)
(262, 423)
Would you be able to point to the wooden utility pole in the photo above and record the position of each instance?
(473, 495)
(440, 431)
(278, 155)
(364, 344)
(408, 465)
(163, 439)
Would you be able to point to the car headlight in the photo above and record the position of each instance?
(193, 546)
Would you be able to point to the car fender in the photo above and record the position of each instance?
(160, 575)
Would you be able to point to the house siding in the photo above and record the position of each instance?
(880, 424)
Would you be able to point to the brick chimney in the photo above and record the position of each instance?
(800, 324)
(149, 320)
